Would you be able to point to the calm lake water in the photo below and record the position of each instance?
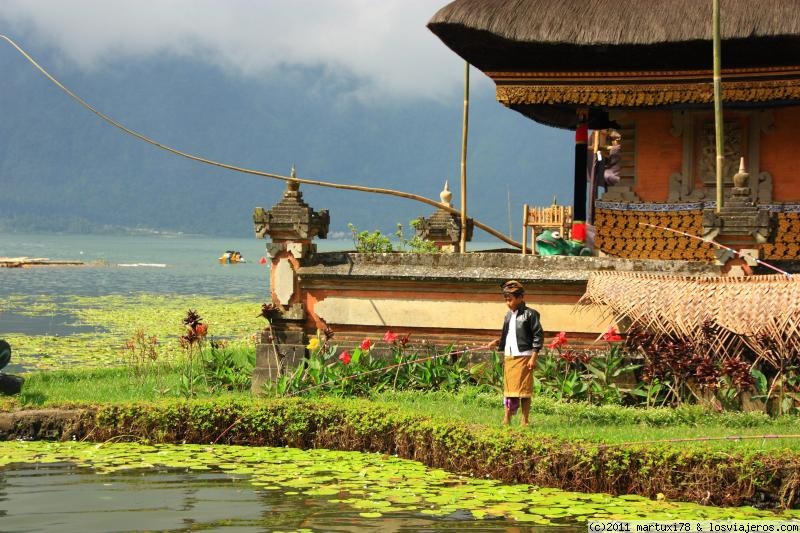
(162, 499)
(191, 265)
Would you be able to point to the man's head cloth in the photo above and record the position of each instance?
(513, 287)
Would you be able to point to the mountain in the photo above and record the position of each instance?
(62, 169)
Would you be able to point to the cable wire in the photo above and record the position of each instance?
(319, 183)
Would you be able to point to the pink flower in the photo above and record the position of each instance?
(558, 340)
(389, 336)
(345, 357)
(611, 335)
(366, 344)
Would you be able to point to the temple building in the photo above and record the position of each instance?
(644, 70)
(640, 71)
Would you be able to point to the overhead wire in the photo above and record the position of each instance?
(319, 183)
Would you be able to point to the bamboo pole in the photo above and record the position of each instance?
(718, 124)
(462, 245)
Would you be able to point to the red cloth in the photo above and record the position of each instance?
(578, 231)
(582, 134)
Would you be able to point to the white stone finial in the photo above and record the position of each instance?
(446, 195)
(741, 165)
(293, 173)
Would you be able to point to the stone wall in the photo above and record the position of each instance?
(438, 299)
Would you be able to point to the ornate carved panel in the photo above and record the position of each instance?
(743, 133)
(707, 152)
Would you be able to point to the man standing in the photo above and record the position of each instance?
(520, 341)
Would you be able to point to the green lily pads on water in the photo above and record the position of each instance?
(372, 484)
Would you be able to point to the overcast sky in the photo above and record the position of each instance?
(383, 42)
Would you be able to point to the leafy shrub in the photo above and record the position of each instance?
(370, 243)
(415, 244)
(228, 367)
(376, 243)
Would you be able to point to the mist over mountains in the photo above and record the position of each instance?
(62, 169)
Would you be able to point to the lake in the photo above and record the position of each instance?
(191, 265)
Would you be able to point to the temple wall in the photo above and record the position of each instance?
(443, 313)
(780, 154)
(439, 299)
(658, 154)
(620, 234)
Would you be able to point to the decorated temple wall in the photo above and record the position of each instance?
(658, 154)
(660, 151)
(450, 298)
(620, 233)
(787, 239)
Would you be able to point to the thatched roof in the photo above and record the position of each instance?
(499, 34)
(549, 57)
(744, 310)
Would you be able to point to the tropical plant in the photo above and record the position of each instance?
(415, 244)
(376, 242)
(357, 372)
(370, 242)
(228, 367)
(192, 343)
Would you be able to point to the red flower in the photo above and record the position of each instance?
(201, 330)
(366, 344)
(389, 336)
(345, 357)
(558, 340)
(611, 335)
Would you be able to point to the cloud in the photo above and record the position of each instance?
(384, 44)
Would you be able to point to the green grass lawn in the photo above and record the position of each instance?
(614, 425)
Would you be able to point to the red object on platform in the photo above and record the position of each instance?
(263, 260)
(578, 231)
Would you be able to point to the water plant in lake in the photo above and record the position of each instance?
(107, 322)
(374, 484)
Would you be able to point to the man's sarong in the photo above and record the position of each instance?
(517, 377)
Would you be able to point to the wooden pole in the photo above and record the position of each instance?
(718, 124)
(594, 178)
(581, 143)
(462, 245)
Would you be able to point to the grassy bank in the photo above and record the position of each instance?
(506, 454)
(613, 425)
(573, 446)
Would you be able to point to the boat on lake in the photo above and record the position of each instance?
(231, 257)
